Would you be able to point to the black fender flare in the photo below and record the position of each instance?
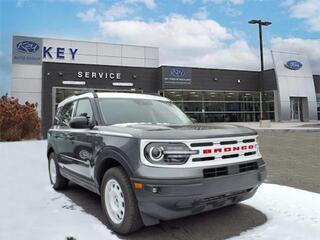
(111, 153)
(50, 149)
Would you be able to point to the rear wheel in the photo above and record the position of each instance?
(119, 202)
(58, 181)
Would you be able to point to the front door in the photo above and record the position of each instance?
(296, 108)
(80, 141)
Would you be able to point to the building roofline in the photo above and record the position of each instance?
(218, 69)
(88, 41)
(282, 51)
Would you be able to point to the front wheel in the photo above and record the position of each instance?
(119, 202)
(58, 181)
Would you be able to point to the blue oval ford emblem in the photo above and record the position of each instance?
(177, 72)
(293, 65)
(27, 46)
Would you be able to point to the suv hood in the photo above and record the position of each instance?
(192, 131)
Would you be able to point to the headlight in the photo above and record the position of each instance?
(257, 145)
(167, 153)
(156, 153)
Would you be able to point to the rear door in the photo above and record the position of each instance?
(62, 131)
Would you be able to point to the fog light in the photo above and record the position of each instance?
(155, 189)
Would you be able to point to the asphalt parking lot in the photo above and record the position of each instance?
(293, 159)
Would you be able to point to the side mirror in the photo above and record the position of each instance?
(79, 122)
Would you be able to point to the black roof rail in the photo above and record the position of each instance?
(94, 93)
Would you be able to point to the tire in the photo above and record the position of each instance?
(57, 181)
(130, 219)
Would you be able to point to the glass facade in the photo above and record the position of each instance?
(318, 105)
(208, 106)
(63, 93)
(222, 106)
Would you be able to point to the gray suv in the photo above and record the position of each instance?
(147, 160)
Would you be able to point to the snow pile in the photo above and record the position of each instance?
(291, 213)
(31, 209)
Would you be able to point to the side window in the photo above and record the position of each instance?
(84, 109)
(65, 114)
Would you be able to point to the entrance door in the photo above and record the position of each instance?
(296, 108)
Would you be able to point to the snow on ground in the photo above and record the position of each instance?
(31, 209)
(291, 213)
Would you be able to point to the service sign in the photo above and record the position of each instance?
(176, 75)
(99, 75)
(26, 50)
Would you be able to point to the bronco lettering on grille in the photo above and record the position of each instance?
(228, 149)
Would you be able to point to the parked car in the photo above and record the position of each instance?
(148, 160)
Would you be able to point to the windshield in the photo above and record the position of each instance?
(119, 110)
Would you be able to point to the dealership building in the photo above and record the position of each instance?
(46, 71)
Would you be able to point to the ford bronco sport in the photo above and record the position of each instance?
(148, 160)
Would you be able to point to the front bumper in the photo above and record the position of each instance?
(169, 199)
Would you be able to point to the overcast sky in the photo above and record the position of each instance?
(201, 33)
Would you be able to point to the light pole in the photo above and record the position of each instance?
(260, 24)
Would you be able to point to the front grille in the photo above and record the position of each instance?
(248, 140)
(229, 170)
(203, 159)
(228, 142)
(222, 149)
(250, 153)
(230, 156)
(202, 144)
(248, 167)
(215, 172)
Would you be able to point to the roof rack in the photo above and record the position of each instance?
(94, 93)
